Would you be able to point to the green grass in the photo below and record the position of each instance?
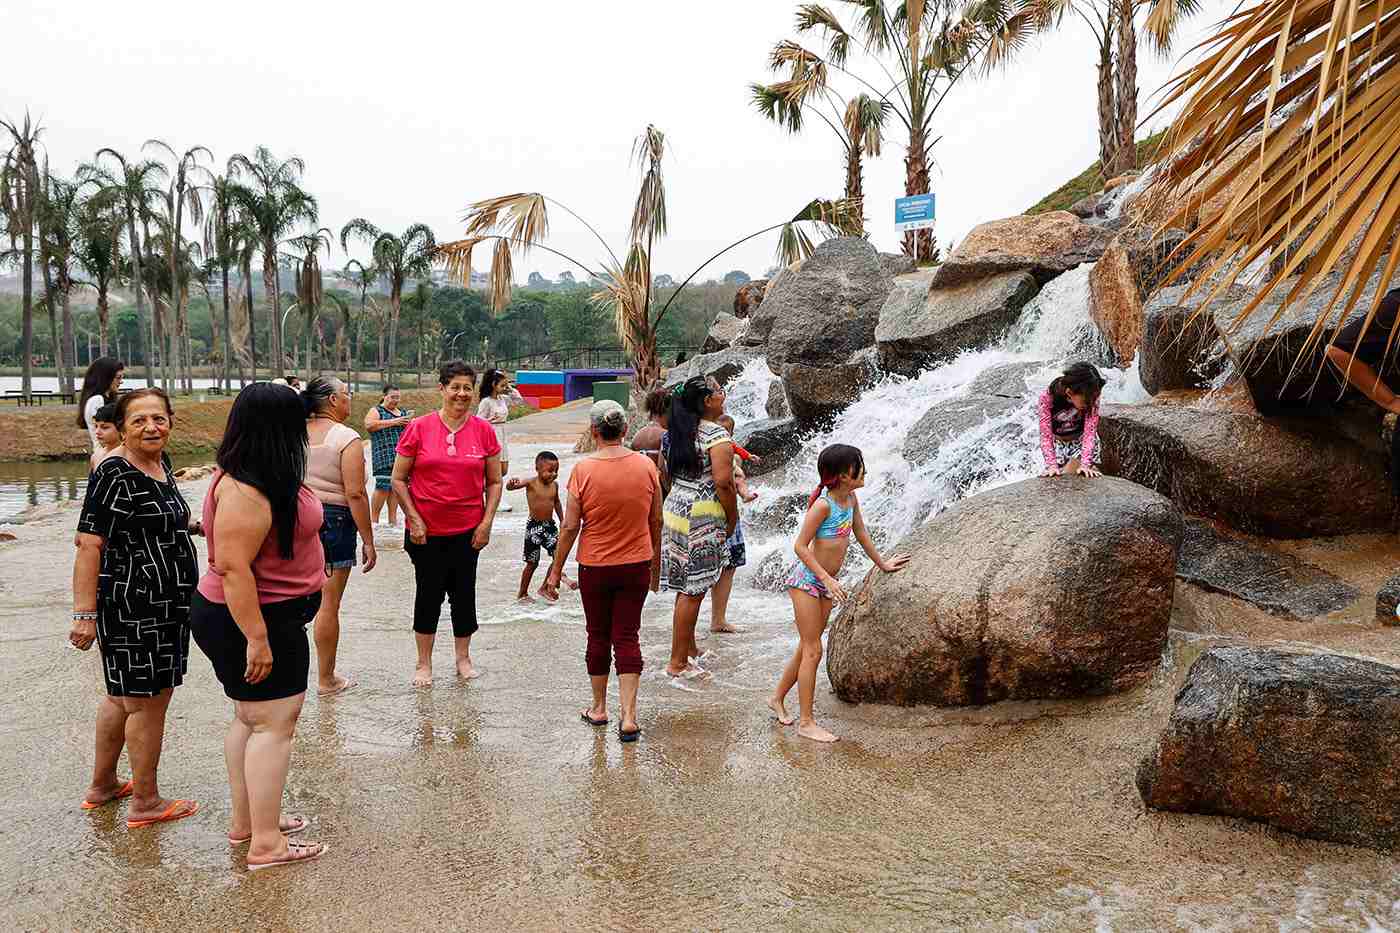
(1091, 180)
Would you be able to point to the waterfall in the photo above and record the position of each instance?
(1053, 330)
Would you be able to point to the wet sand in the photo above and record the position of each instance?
(491, 804)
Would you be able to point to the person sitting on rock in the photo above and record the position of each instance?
(1069, 422)
(833, 516)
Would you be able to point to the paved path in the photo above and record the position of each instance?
(566, 422)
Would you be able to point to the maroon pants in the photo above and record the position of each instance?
(612, 609)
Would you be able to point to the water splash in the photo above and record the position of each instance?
(1053, 330)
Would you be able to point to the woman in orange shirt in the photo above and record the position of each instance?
(619, 559)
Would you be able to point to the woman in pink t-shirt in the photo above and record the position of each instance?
(251, 608)
(447, 477)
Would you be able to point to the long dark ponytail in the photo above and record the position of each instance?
(834, 462)
(683, 424)
(264, 446)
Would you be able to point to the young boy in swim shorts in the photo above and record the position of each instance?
(541, 530)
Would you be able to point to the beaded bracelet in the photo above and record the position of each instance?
(85, 617)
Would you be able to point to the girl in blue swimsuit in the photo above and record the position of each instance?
(833, 516)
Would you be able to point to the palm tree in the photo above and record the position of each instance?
(1293, 102)
(135, 184)
(182, 195)
(399, 258)
(363, 278)
(19, 199)
(309, 282)
(97, 250)
(1113, 24)
(859, 123)
(920, 49)
(59, 208)
(221, 239)
(520, 221)
(274, 204)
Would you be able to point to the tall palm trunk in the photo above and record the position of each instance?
(1108, 111)
(309, 338)
(1126, 90)
(274, 294)
(855, 180)
(394, 297)
(917, 243)
(228, 343)
(102, 315)
(186, 342)
(69, 345)
(136, 282)
(252, 314)
(53, 318)
(27, 324)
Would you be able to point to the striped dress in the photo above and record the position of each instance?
(694, 548)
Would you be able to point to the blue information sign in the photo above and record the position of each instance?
(914, 212)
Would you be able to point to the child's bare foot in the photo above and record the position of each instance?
(816, 733)
(724, 628)
(780, 711)
(524, 598)
(465, 669)
(422, 677)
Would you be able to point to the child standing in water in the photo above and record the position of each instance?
(833, 514)
(1069, 422)
(541, 531)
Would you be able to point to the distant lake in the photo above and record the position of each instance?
(27, 484)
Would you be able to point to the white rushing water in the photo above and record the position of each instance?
(1053, 331)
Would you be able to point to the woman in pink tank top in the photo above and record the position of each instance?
(261, 588)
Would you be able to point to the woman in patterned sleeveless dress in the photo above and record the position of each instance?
(385, 423)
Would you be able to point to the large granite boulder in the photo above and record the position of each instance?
(775, 440)
(1309, 743)
(749, 297)
(954, 418)
(826, 310)
(1269, 350)
(1008, 380)
(723, 332)
(1388, 601)
(1044, 245)
(1115, 306)
(815, 393)
(723, 365)
(1278, 477)
(920, 326)
(1180, 348)
(1044, 588)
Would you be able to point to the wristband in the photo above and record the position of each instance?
(85, 617)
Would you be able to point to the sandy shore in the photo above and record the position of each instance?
(490, 803)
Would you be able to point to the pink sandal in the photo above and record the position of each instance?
(296, 852)
(299, 824)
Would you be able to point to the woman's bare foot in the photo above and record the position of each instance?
(293, 853)
(337, 684)
(422, 677)
(724, 628)
(290, 824)
(780, 711)
(816, 733)
(465, 669)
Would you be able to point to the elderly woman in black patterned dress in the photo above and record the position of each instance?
(132, 583)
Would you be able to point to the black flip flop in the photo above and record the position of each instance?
(591, 721)
(629, 736)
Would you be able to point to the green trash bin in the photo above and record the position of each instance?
(616, 390)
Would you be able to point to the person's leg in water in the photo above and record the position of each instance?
(267, 751)
(326, 629)
(377, 503)
(461, 596)
(719, 604)
(526, 575)
(811, 613)
(111, 739)
(598, 594)
(683, 619)
(145, 733)
(430, 575)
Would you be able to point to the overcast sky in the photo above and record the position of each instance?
(408, 111)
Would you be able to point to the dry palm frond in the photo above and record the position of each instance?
(864, 121)
(1164, 19)
(624, 296)
(813, 16)
(649, 213)
(1317, 188)
(502, 275)
(456, 258)
(525, 220)
(770, 101)
(793, 244)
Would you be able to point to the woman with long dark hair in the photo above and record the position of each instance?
(701, 508)
(447, 477)
(101, 383)
(262, 587)
(132, 583)
(496, 395)
(335, 471)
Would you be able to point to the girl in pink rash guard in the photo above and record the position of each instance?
(1069, 422)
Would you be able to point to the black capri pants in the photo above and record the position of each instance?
(445, 565)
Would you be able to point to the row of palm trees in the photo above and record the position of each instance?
(901, 60)
(165, 222)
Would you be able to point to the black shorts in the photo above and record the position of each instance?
(540, 533)
(222, 641)
(1370, 349)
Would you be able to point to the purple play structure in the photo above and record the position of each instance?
(578, 383)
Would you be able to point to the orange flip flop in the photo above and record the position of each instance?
(126, 790)
(169, 816)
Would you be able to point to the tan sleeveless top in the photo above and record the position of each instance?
(323, 465)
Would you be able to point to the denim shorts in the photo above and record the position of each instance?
(338, 537)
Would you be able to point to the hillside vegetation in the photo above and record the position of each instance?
(1091, 179)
